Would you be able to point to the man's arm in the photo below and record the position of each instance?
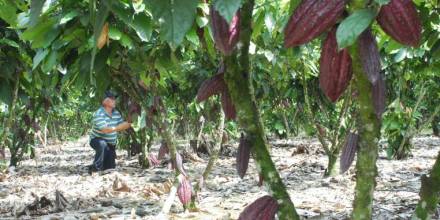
(120, 127)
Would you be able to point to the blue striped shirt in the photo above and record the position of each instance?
(101, 119)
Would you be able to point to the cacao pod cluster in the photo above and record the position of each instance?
(399, 19)
(263, 208)
(226, 35)
(216, 85)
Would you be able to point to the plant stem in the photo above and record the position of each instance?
(238, 80)
(368, 126)
(10, 119)
(429, 192)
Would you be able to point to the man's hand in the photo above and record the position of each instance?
(120, 127)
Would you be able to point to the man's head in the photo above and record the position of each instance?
(109, 99)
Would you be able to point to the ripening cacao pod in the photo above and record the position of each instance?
(153, 160)
(379, 97)
(213, 86)
(335, 68)
(348, 152)
(226, 35)
(103, 37)
(184, 191)
(310, 19)
(400, 20)
(163, 150)
(370, 57)
(243, 155)
(263, 208)
(228, 106)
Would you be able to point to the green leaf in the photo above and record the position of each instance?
(35, 11)
(50, 62)
(41, 54)
(176, 18)
(351, 27)
(5, 92)
(7, 12)
(69, 16)
(9, 42)
(227, 8)
(42, 34)
(114, 33)
(382, 2)
(139, 22)
(100, 19)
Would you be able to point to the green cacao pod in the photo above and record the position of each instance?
(243, 155)
(370, 57)
(349, 151)
(184, 191)
(263, 208)
(400, 20)
(226, 35)
(335, 68)
(310, 19)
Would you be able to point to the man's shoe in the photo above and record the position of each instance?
(92, 169)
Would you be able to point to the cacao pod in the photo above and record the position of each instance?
(400, 20)
(379, 97)
(370, 57)
(163, 150)
(243, 155)
(213, 86)
(184, 191)
(153, 160)
(179, 164)
(263, 208)
(310, 19)
(226, 35)
(335, 68)
(228, 106)
(348, 152)
(103, 37)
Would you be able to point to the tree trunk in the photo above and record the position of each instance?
(429, 192)
(331, 167)
(368, 126)
(10, 119)
(238, 80)
(212, 159)
(435, 126)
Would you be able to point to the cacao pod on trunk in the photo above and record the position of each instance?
(184, 191)
(226, 35)
(310, 19)
(243, 155)
(263, 208)
(400, 20)
(163, 150)
(348, 152)
(228, 106)
(370, 57)
(335, 68)
(179, 164)
(213, 86)
(379, 97)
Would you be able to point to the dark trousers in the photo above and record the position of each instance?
(105, 154)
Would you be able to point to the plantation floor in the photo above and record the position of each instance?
(131, 192)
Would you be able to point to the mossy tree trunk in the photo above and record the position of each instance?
(429, 192)
(238, 80)
(368, 126)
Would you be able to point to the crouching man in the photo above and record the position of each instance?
(107, 122)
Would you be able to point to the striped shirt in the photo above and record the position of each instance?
(101, 119)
